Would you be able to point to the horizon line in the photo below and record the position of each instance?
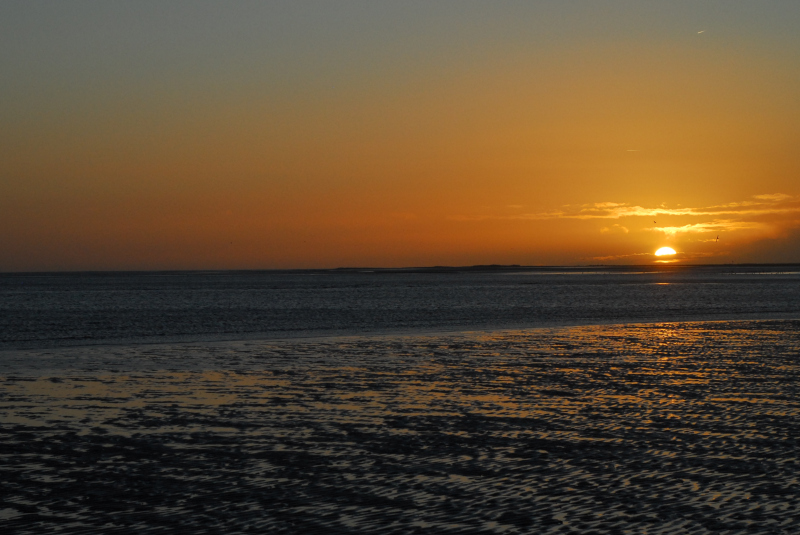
(433, 268)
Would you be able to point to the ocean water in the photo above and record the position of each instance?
(501, 401)
(51, 310)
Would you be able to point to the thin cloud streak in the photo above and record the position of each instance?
(773, 197)
(771, 204)
(717, 225)
(774, 204)
(764, 216)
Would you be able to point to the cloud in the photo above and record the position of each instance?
(692, 230)
(610, 210)
(605, 204)
(773, 197)
(718, 225)
(774, 203)
(615, 227)
(767, 214)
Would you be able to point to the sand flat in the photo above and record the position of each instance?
(649, 428)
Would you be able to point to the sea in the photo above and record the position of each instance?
(40, 310)
(484, 399)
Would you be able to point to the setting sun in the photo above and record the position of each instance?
(665, 251)
(274, 135)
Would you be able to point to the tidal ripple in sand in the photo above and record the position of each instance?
(659, 428)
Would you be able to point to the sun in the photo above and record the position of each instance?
(665, 251)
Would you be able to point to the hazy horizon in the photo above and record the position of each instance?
(442, 267)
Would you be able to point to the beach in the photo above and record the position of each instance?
(680, 427)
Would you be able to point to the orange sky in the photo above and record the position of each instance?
(195, 137)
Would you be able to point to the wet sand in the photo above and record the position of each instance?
(650, 428)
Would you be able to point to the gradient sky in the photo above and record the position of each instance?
(189, 134)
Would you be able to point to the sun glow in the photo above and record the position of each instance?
(665, 251)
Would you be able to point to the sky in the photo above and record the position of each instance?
(190, 134)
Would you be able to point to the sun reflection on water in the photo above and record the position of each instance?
(505, 423)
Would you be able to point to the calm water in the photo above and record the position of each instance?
(50, 310)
